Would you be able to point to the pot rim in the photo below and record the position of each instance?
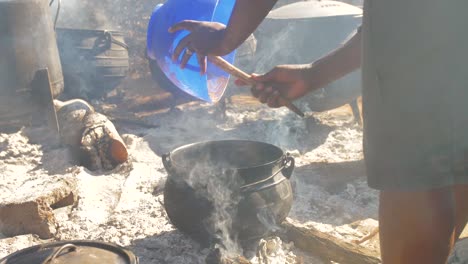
(89, 30)
(283, 154)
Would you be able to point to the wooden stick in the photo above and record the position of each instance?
(233, 70)
(328, 247)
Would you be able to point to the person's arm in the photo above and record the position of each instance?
(336, 64)
(211, 38)
(294, 81)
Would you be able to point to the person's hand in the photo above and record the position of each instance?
(282, 82)
(204, 39)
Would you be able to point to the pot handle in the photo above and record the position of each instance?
(288, 166)
(111, 39)
(166, 160)
(56, 253)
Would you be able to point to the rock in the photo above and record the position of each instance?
(30, 211)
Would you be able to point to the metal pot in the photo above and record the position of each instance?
(72, 252)
(251, 179)
(303, 32)
(27, 44)
(94, 61)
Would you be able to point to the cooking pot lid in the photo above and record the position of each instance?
(314, 9)
(72, 252)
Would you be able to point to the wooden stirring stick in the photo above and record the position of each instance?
(238, 73)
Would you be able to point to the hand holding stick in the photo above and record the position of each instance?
(233, 70)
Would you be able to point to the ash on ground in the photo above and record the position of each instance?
(125, 206)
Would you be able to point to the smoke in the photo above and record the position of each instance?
(221, 187)
(84, 14)
(267, 217)
(300, 41)
(269, 55)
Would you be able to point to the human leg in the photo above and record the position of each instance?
(461, 208)
(417, 227)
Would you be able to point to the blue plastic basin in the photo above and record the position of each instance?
(161, 44)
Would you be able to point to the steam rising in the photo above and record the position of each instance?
(220, 186)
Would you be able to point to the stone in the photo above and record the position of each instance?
(31, 210)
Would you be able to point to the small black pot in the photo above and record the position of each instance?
(72, 252)
(251, 183)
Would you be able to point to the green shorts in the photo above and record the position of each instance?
(415, 93)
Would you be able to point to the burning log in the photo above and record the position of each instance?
(91, 135)
(328, 247)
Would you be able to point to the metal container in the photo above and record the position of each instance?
(250, 180)
(303, 32)
(72, 252)
(27, 44)
(94, 61)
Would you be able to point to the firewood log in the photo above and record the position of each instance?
(91, 135)
(101, 145)
(328, 247)
(70, 115)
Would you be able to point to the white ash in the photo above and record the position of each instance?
(120, 206)
(273, 250)
(124, 206)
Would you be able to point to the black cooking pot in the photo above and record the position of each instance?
(72, 252)
(94, 61)
(227, 189)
